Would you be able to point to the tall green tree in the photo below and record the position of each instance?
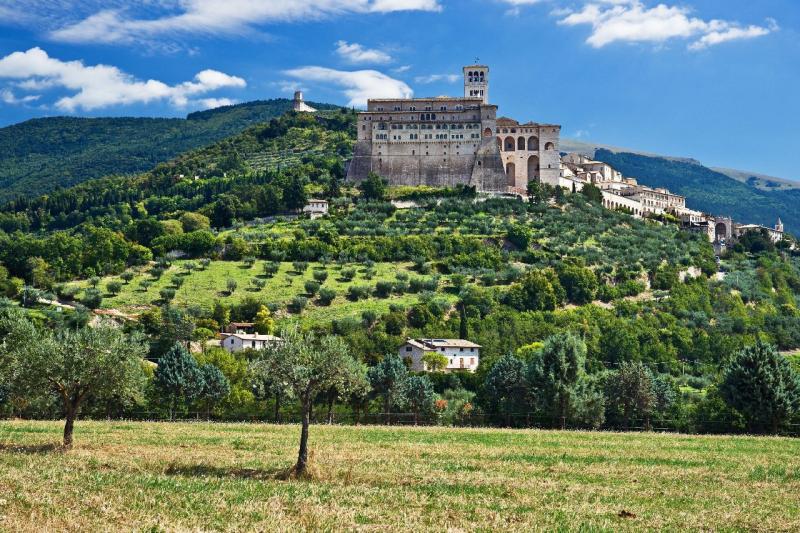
(761, 384)
(310, 365)
(419, 396)
(555, 376)
(506, 389)
(630, 391)
(74, 365)
(216, 387)
(373, 187)
(387, 379)
(178, 377)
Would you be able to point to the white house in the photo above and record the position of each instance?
(316, 208)
(461, 354)
(237, 342)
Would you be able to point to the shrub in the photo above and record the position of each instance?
(178, 281)
(357, 292)
(114, 287)
(127, 276)
(348, 274)
(167, 294)
(231, 285)
(312, 287)
(297, 304)
(326, 296)
(271, 268)
(300, 266)
(320, 275)
(92, 298)
(258, 283)
(383, 289)
(369, 318)
(205, 262)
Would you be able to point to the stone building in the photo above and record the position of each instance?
(447, 141)
(529, 152)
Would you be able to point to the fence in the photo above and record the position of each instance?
(480, 420)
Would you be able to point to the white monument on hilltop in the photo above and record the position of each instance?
(300, 105)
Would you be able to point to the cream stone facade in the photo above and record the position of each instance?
(529, 152)
(447, 141)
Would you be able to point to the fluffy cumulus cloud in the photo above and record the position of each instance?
(99, 86)
(356, 53)
(633, 21)
(121, 25)
(358, 85)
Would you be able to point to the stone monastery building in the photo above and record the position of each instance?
(447, 141)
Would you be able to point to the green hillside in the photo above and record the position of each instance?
(708, 190)
(38, 156)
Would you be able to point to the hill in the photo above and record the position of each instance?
(197, 476)
(41, 155)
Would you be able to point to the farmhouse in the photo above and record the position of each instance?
(316, 208)
(461, 354)
(237, 342)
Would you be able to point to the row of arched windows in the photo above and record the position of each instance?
(531, 144)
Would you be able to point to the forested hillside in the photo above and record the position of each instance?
(41, 155)
(213, 236)
(710, 191)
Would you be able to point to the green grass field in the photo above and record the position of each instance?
(203, 287)
(178, 477)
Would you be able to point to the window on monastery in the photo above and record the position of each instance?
(413, 108)
(443, 108)
(397, 108)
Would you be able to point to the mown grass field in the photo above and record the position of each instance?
(162, 476)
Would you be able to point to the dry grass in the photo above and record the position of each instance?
(161, 476)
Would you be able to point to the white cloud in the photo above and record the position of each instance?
(221, 17)
(434, 78)
(358, 86)
(632, 21)
(8, 97)
(211, 103)
(355, 53)
(100, 86)
(401, 69)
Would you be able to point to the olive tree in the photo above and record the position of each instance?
(309, 365)
(75, 365)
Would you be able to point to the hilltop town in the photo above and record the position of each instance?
(449, 141)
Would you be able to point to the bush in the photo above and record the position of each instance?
(326, 296)
(92, 298)
(312, 287)
(348, 274)
(357, 292)
(383, 289)
(299, 266)
(298, 304)
(320, 275)
(369, 318)
(114, 287)
(167, 294)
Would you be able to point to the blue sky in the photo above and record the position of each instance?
(715, 80)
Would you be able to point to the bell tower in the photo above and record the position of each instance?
(476, 82)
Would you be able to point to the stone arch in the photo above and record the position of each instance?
(487, 132)
(509, 144)
(549, 146)
(521, 144)
(720, 231)
(511, 173)
(533, 168)
(500, 143)
(533, 143)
